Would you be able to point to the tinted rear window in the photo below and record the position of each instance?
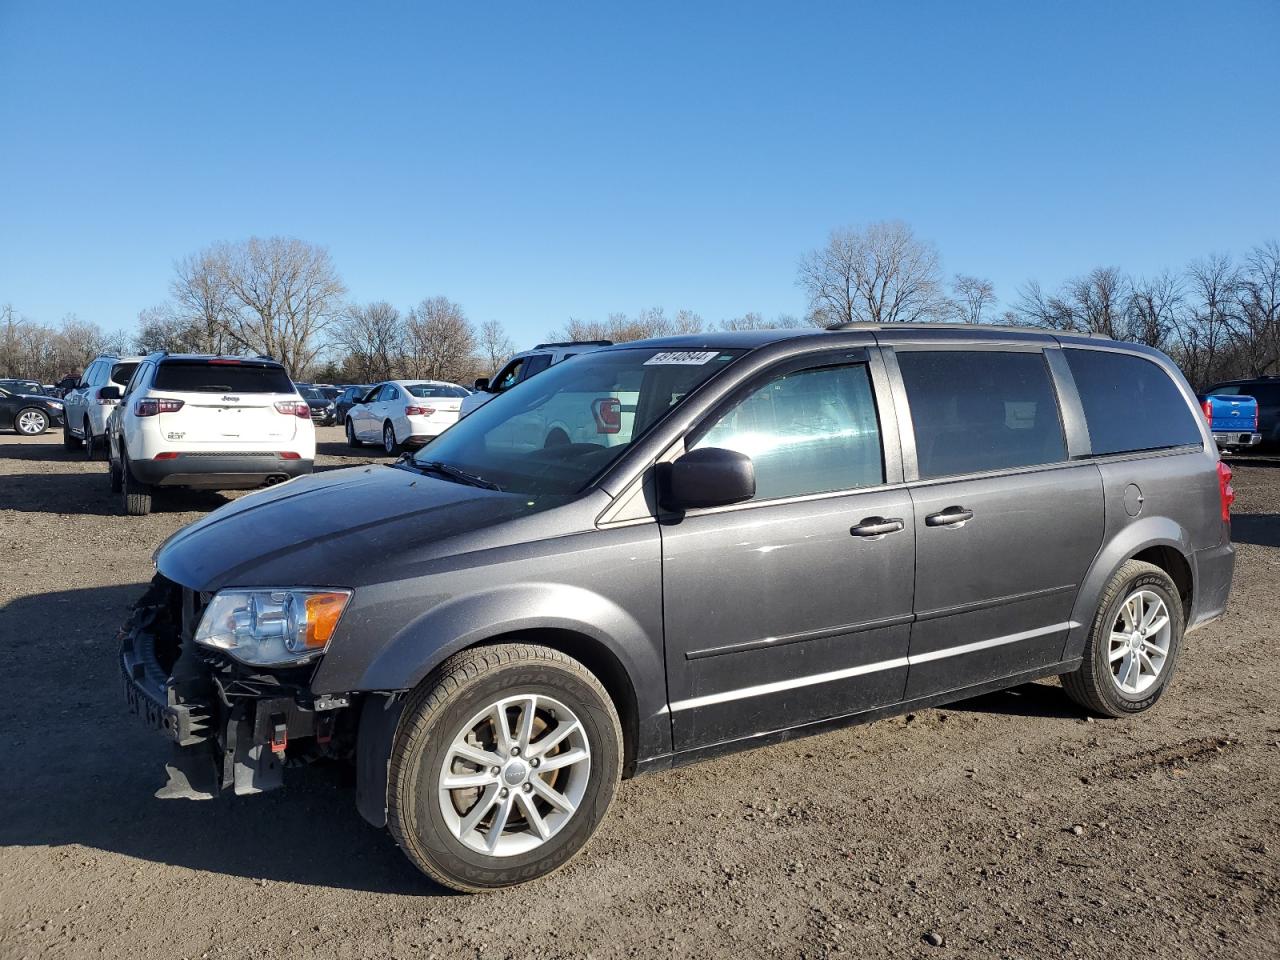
(977, 410)
(1130, 404)
(203, 377)
(427, 390)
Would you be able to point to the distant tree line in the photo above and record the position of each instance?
(282, 297)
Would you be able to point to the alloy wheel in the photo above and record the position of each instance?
(32, 422)
(1139, 642)
(514, 775)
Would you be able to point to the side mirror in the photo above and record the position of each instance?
(109, 393)
(709, 477)
(482, 383)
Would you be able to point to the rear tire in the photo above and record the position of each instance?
(389, 443)
(90, 444)
(466, 694)
(352, 439)
(136, 496)
(1127, 663)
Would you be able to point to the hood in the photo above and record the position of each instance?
(340, 528)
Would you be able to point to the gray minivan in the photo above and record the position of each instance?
(766, 534)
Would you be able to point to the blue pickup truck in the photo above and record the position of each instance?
(1233, 420)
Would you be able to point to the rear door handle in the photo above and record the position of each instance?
(877, 527)
(948, 517)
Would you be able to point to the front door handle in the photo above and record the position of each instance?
(877, 527)
(948, 517)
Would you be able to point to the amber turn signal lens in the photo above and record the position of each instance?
(323, 611)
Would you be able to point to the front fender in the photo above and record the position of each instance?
(1139, 535)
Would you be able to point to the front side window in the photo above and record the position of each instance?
(553, 433)
(509, 377)
(121, 373)
(536, 364)
(1130, 404)
(811, 431)
(976, 410)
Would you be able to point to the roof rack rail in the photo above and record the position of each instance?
(924, 325)
(575, 343)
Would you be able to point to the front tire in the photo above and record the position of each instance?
(1133, 647)
(136, 495)
(69, 440)
(504, 765)
(31, 421)
(90, 444)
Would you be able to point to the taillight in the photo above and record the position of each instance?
(419, 411)
(149, 408)
(293, 408)
(105, 401)
(1255, 418)
(608, 414)
(1207, 407)
(290, 455)
(1225, 491)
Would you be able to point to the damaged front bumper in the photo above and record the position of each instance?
(232, 728)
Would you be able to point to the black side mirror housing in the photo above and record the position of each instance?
(109, 393)
(482, 383)
(708, 477)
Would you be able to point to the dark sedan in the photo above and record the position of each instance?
(28, 414)
(322, 409)
(349, 397)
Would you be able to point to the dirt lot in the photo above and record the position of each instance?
(1007, 826)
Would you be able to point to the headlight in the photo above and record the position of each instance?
(56, 404)
(272, 627)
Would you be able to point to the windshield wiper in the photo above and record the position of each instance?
(452, 472)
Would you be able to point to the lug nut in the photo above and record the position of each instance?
(503, 793)
(495, 770)
(527, 787)
(534, 762)
(515, 751)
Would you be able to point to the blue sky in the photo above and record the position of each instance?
(536, 161)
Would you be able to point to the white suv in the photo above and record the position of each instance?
(525, 365)
(216, 423)
(85, 408)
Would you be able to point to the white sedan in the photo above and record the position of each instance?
(404, 413)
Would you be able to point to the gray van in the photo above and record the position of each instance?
(772, 534)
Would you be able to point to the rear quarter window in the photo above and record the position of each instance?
(1130, 403)
(204, 377)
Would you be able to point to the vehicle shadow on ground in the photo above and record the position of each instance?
(1044, 698)
(20, 448)
(79, 769)
(1262, 529)
(90, 493)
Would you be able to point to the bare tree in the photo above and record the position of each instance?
(1094, 303)
(494, 345)
(620, 328)
(881, 273)
(282, 294)
(974, 297)
(372, 338)
(1154, 309)
(202, 312)
(1212, 284)
(757, 321)
(440, 343)
(1255, 323)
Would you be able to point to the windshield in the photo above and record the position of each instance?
(428, 390)
(311, 393)
(554, 433)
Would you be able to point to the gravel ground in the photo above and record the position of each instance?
(1006, 826)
